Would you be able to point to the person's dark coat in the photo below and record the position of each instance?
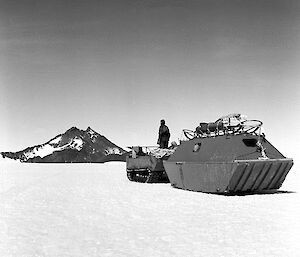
(163, 136)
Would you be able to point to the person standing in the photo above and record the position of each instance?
(163, 135)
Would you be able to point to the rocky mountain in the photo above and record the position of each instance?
(74, 145)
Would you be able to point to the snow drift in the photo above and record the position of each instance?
(93, 210)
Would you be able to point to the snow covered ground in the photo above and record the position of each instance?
(93, 210)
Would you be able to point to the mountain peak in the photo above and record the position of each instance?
(92, 133)
(89, 129)
(75, 145)
(73, 129)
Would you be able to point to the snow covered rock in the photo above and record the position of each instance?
(74, 145)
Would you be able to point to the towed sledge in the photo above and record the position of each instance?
(231, 155)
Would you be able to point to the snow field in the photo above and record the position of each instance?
(94, 210)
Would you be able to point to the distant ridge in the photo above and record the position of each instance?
(74, 145)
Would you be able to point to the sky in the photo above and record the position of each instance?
(122, 66)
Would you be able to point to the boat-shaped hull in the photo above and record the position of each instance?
(229, 177)
(227, 164)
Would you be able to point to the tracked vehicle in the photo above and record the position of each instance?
(231, 155)
(145, 164)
